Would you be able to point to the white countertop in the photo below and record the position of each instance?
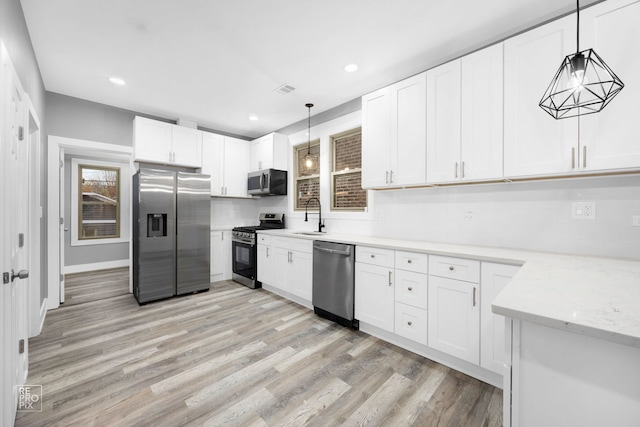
(599, 297)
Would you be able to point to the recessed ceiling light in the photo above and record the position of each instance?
(350, 68)
(117, 81)
(253, 117)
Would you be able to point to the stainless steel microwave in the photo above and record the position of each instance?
(267, 182)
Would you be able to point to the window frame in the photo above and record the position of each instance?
(124, 202)
(297, 178)
(334, 173)
(82, 203)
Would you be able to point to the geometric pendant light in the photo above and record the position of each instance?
(584, 84)
(310, 160)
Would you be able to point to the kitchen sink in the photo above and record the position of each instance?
(311, 233)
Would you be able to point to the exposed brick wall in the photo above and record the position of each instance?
(348, 192)
(307, 188)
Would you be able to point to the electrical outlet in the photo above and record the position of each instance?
(583, 210)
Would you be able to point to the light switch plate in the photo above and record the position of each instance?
(583, 210)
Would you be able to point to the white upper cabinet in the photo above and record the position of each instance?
(534, 142)
(376, 138)
(608, 139)
(464, 118)
(269, 152)
(482, 114)
(443, 123)
(159, 142)
(225, 159)
(394, 135)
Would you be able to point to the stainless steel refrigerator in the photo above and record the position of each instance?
(171, 229)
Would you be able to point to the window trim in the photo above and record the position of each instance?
(334, 173)
(124, 202)
(296, 178)
(82, 203)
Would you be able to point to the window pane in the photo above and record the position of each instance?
(348, 192)
(348, 152)
(305, 189)
(99, 206)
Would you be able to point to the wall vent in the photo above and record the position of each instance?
(285, 89)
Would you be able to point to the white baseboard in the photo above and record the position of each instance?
(81, 268)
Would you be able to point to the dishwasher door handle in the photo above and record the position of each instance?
(333, 251)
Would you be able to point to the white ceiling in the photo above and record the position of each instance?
(216, 62)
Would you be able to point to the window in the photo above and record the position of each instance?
(99, 202)
(346, 174)
(307, 182)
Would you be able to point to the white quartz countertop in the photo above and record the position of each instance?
(599, 297)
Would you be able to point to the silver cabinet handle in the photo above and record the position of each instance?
(474, 296)
(386, 177)
(267, 251)
(573, 157)
(409, 288)
(462, 169)
(584, 156)
(409, 261)
(373, 256)
(451, 267)
(390, 177)
(389, 278)
(409, 323)
(456, 170)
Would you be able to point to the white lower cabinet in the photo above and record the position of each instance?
(220, 256)
(291, 265)
(454, 307)
(265, 259)
(374, 293)
(374, 301)
(411, 322)
(493, 278)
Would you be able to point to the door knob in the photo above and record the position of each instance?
(22, 274)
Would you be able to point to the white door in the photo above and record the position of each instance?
(13, 147)
(376, 137)
(64, 227)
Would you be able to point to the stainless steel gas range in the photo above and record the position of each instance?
(244, 249)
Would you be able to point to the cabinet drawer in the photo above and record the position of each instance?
(412, 261)
(264, 239)
(411, 288)
(454, 268)
(375, 256)
(301, 245)
(411, 323)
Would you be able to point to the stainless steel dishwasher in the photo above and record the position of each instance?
(333, 282)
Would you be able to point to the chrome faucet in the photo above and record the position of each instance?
(306, 214)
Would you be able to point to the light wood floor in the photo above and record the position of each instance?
(95, 285)
(236, 356)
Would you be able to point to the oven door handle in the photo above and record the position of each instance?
(333, 251)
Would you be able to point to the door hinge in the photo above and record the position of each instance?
(21, 347)
(61, 164)
(6, 278)
(62, 277)
(61, 220)
(20, 133)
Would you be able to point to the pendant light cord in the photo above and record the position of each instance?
(577, 25)
(309, 129)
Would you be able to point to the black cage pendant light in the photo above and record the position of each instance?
(583, 84)
(310, 160)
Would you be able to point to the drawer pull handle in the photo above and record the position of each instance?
(474, 296)
(451, 267)
(389, 278)
(409, 261)
(373, 256)
(409, 323)
(409, 288)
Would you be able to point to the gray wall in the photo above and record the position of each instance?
(14, 34)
